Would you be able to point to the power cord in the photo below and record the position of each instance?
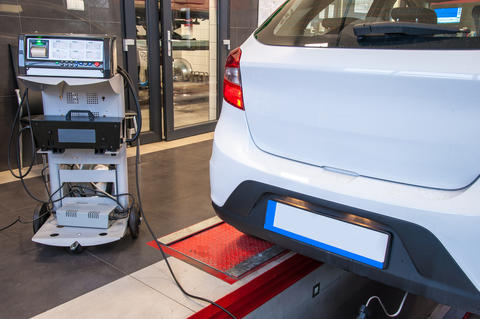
(11, 224)
(21, 175)
(21, 221)
(16, 120)
(363, 309)
(160, 245)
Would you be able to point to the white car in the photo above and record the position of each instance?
(350, 133)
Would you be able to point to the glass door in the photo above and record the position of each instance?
(192, 106)
(176, 61)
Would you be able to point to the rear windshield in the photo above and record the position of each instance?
(390, 24)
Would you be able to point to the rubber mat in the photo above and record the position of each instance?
(224, 252)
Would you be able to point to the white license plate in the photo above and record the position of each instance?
(356, 242)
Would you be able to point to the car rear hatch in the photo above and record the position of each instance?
(408, 116)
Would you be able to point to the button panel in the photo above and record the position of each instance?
(76, 64)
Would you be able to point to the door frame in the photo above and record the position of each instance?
(160, 66)
(222, 33)
(131, 64)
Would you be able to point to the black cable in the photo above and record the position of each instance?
(16, 121)
(11, 224)
(160, 244)
(100, 194)
(21, 175)
(104, 194)
(19, 219)
(142, 213)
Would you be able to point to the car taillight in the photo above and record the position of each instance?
(232, 82)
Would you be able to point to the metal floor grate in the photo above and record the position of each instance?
(224, 251)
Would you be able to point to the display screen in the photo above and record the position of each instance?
(448, 15)
(65, 49)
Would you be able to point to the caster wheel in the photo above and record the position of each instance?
(40, 216)
(134, 221)
(75, 248)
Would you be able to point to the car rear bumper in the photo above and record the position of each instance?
(417, 261)
(434, 233)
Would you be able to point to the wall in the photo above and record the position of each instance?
(243, 20)
(45, 16)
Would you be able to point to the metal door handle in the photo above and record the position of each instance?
(169, 43)
(226, 42)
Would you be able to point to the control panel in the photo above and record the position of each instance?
(67, 55)
(57, 133)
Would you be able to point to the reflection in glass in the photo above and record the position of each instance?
(142, 60)
(194, 61)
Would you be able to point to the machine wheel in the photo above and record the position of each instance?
(75, 248)
(134, 221)
(40, 216)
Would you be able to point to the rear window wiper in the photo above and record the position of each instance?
(402, 28)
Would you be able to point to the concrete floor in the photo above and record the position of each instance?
(36, 278)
